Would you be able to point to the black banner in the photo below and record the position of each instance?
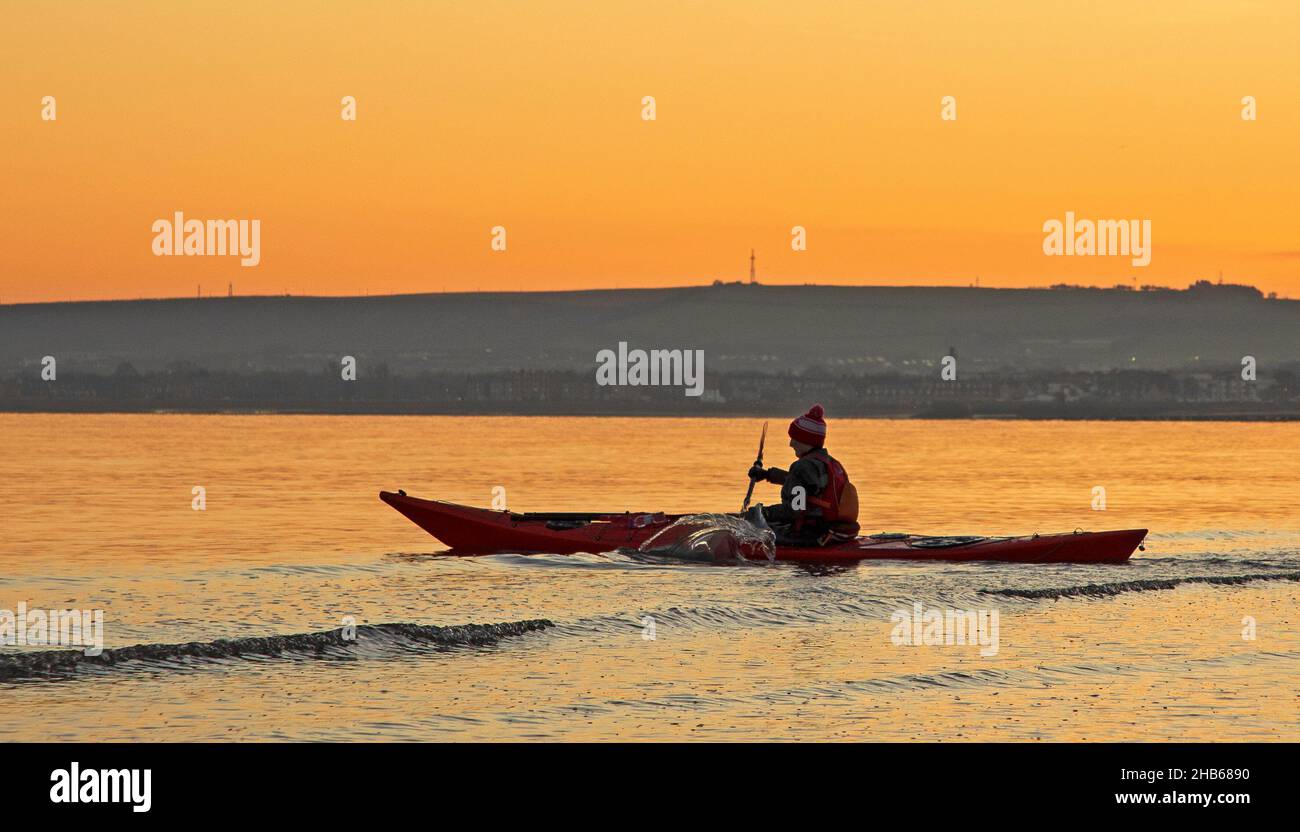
(331, 781)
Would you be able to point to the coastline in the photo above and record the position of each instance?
(718, 411)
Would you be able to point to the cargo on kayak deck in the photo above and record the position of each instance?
(479, 531)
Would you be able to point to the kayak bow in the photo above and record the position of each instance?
(480, 531)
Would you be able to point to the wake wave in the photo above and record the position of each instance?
(370, 639)
(712, 537)
(1147, 585)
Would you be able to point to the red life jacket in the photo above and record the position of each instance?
(839, 499)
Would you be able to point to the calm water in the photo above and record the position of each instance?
(95, 513)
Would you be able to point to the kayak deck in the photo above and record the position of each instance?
(479, 531)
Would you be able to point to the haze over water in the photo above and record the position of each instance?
(97, 514)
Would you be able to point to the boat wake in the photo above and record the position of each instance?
(1143, 585)
(363, 641)
(712, 537)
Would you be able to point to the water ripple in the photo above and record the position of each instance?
(371, 640)
(1150, 584)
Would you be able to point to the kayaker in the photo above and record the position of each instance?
(819, 506)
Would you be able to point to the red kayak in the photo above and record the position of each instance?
(481, 531)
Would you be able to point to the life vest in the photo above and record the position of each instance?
(839, 499)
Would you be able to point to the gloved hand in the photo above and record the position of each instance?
(758, 472)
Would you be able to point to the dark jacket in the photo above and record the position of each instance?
(810, 471)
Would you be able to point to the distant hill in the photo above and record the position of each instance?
(740, 327)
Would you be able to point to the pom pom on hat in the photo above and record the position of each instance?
(810, 428)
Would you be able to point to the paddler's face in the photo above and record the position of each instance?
(799, 448)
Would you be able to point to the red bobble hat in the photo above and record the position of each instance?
(810, 428)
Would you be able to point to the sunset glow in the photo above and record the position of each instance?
(769, 115)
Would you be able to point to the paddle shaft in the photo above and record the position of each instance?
(749, 493)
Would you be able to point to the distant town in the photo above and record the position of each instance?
(1211, 351)
(1118, 394)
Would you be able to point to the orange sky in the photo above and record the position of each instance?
(527, 115)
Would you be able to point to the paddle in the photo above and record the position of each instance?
(750, 493)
